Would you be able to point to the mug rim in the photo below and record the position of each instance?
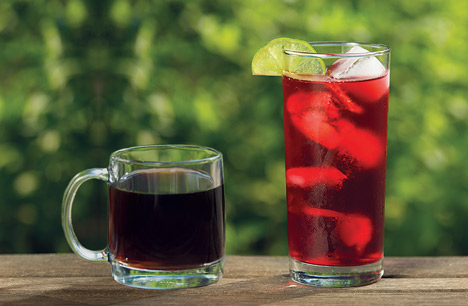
(216, 154)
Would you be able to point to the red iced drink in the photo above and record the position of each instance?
(335, 142)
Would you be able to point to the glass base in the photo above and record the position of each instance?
(334, 276)
(168, 279)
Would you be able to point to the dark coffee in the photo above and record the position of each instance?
(150, 228)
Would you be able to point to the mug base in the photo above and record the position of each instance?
(167, 279)
(334, 276)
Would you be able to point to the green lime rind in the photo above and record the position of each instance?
(270, 60)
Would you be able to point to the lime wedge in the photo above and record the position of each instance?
(270, 60)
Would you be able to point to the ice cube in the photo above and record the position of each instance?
(368, 66)
(368, 92)
(355, 230)
(342, 99)
(310, 176)
(362, 145)
(316, 126)
(322, 212)
(302, 101)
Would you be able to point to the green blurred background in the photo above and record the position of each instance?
(82, 78)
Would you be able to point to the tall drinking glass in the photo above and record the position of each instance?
(335, 126)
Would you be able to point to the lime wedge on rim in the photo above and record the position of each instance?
(269, 60)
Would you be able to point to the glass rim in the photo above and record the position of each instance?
(384, 49)
(216, 155)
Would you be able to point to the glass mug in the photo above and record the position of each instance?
(166, 216)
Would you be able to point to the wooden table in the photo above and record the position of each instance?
(66, 279)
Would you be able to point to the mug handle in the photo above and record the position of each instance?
(68, 197)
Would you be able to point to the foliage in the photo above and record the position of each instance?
(82, 78)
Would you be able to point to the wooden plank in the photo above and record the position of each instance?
(51, 265)
(68, 280)
(93, 291)
(404, 267)
(247, 266)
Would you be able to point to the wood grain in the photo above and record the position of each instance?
(65, 279)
